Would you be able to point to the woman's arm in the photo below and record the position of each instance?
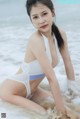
(40, 54)
(66, 58)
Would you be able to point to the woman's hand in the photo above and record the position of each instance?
(61, 110)
(61, 113)
(66, 113)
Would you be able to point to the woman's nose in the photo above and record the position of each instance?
(41, 20)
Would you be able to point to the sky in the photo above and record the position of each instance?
(68, 1)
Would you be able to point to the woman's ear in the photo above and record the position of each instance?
(53, 13)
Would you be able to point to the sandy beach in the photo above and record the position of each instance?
(15, 28)
(71, 100)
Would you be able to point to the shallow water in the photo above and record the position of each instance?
(15, 28)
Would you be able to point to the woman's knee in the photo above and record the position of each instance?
(4, 94)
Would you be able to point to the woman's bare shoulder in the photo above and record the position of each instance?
(34, 37)
(35, 40)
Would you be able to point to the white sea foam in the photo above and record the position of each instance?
(14, 33)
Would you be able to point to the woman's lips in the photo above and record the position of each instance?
(44, 26)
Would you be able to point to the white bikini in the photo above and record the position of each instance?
(32, 70)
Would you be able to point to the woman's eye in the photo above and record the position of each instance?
(45, 13)
(35, 17)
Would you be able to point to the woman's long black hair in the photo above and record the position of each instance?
(55, 30)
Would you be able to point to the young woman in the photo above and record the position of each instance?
(41, 57)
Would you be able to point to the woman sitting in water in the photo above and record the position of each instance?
(41, 57)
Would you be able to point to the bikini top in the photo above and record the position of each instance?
(34, 68)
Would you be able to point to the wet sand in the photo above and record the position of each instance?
(13, 111)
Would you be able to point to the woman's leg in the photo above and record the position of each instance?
(43, 98)
(17, 97)
(41, 94)
(24, 102)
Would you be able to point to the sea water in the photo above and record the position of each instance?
(16, 27)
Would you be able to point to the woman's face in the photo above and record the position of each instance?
(41, 17)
